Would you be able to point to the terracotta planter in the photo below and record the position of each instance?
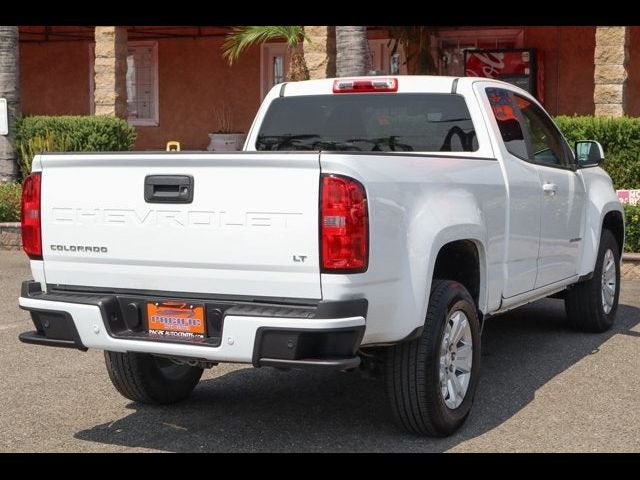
(226, 142)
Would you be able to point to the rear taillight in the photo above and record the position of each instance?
(31, 230)
(355, 85)
(344, 225)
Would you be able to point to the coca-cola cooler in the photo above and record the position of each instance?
(521, 66)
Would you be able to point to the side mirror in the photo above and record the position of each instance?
(589, 153)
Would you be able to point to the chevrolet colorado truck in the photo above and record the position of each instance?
(372, 221)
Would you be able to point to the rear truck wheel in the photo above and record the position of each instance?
(431, 380)
(592, 305)
(147, 378)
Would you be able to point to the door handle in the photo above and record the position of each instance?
(168, 189)
(550, 188)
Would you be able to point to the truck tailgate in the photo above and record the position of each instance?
(251, 228)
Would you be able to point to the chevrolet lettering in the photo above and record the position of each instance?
(173, 218)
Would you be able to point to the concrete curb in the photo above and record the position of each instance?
(630, 266)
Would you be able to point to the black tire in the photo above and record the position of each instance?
(412, 368)
(583, 302)
(146, 378)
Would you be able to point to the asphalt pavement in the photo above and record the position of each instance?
(544, 388)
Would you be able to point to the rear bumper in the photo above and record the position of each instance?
(325, 335)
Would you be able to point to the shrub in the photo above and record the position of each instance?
(632, 217)
(48, 142)
(620, 139)
(70, 134)
(10, 198)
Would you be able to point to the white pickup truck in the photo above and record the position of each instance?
(375, 220)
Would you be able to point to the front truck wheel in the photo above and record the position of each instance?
(591, 305)
(431, 380)
(146, 378)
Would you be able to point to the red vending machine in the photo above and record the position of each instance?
(520, 66)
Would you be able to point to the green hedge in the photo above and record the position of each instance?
(10, 198)
(70, 134)
(620, 139)
(632, 217)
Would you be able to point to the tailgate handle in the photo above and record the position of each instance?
(168, 189)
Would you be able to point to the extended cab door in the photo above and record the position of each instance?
(524, 198)
(563, 195)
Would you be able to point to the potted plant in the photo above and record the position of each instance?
(225, 138)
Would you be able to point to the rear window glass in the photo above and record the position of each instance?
(404, 122)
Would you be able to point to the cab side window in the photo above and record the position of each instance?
(546, 142)
(527, 131)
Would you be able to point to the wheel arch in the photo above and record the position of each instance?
(461, 258)
(614, 222)
(611, 217)
(603, 210)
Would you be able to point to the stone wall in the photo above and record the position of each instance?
(610, 58)
(10, 236)
(110, 94)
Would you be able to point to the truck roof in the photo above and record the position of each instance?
(406, 84)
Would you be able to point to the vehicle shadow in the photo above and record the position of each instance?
(271, 410)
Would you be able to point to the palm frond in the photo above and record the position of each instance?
(242, 38)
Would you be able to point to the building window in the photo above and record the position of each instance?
(142, 83)
(273, 66)
(278, 69)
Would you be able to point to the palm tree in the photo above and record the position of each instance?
(352, 51)
(241, 38)
(9, 89)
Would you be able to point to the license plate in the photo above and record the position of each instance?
(175, 319)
